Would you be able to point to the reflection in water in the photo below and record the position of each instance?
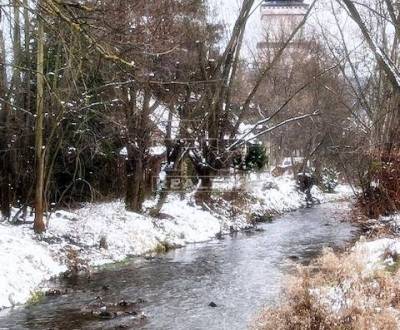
(240, 274)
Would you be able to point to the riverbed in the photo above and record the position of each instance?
(239, 274)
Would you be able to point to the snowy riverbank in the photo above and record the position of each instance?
(105, 233)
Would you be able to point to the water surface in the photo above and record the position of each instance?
(240, 273)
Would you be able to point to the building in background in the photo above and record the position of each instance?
(279, 18)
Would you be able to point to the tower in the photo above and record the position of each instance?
(279, 18)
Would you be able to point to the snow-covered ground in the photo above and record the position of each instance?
(104, 233)
(279, 194)
(376, 254)
(24, 263)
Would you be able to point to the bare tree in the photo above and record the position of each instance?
(382, 57)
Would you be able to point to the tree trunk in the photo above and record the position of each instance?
(138, 141)
(24, 186)
(5, 173)
(39, 225)
(134, 185)
(5, 202)
(5, 164)
(17, 53)
(203, 193)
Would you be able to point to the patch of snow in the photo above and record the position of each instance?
(190, 224)
(371, 253)
(123, 151)
(126, 233)
(277, 194)
(341, 192)
(287, 161)
(25, 263)
(158, 150)
(331, 297)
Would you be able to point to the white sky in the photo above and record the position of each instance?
(227, 11)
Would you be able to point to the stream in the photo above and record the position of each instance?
(240, 273)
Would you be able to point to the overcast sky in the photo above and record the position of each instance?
(227, 11)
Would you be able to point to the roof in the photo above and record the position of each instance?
(284, 3)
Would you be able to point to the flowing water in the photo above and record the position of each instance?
(240, 274)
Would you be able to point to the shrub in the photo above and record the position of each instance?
(380, 185)
(35, 298)
(255, 159)
(329, 180)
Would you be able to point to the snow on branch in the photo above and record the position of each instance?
(248, 137)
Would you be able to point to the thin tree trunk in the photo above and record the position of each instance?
(27, 75)
(5, 207)
(39, 225)
(24, 186)
(138, 141)
(133, 184)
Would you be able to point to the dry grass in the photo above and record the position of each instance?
(232, 204)
(75, 264)
(343, 294)
(372, 228)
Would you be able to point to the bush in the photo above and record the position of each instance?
(35, 298)
(255, 159)
(329, 180)
(381, 185)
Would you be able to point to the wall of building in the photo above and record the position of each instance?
(279, 22)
